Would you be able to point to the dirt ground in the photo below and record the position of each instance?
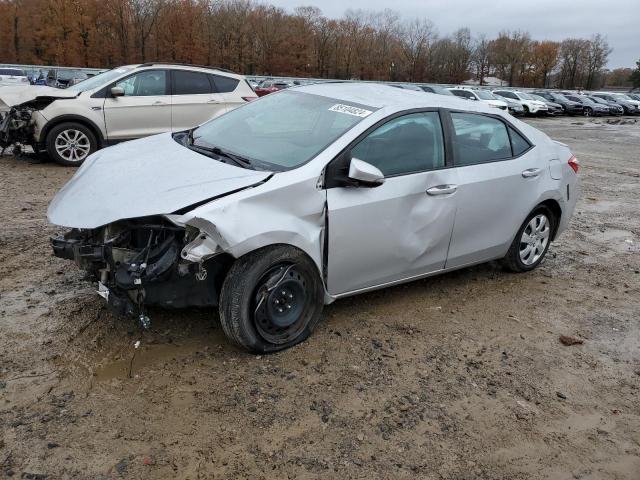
(456, 377)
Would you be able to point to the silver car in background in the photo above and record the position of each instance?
(310, 195)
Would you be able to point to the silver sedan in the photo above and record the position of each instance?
(310, 195)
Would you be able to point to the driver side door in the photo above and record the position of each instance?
(400, 229)
(145, 108)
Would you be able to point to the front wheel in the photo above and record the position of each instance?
(70, 143)
(271, 299)
(531, 242)
(588, 112)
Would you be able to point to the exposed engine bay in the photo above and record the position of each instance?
(17, 124)
(141, 262)
(16, 127)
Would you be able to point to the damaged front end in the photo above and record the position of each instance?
(16, 128)
(146, 262)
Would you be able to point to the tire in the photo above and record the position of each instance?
(271, 299)
(514, 260)
(587, 112)
(70, 143)
(526, 110)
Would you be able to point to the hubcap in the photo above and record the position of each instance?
(280, 301)
(72, 145)
(534, 240)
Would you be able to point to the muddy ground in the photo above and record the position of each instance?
(457, 377)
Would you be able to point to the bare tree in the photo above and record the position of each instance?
(596, 57)
(144, 16)
(415, 40)
(480, 58)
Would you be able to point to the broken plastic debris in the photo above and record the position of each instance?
(137, 344)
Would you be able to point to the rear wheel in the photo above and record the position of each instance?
(271, 299)
(531, 242)
(70, 143)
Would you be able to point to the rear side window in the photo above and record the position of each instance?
(12, 71)
(224, 84)
(479, 139)
(518, 144)
(407, 144)
(190, 83)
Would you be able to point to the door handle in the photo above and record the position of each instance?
(531, 172)
(213, 101)
(442, 189)
(158, 102)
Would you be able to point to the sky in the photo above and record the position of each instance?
(618, 20)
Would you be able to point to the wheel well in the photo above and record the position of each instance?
(58, 121)
(229, 260)
(554, 206)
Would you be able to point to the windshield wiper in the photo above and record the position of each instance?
(237, 159)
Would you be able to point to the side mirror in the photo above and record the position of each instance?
(365, 174)
(117, 92)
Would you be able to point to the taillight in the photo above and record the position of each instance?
(574, 163)
(248, 99)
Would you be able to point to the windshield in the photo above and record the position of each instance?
(282, 130)
(482, 95)
(538, 97)
(442, 91)
(525, 96)
(620, 95)
(562, 98)
(585, 99)
(99, 80)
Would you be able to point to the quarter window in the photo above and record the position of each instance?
(224, 84)
(190, 83)
(518, 144)
(145, 84)
(479, 138)
(407, 144)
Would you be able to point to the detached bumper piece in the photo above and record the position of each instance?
(138, 264)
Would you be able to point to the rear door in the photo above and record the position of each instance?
(499, 181)
(145, 108)
(401, 228)
(194, 99)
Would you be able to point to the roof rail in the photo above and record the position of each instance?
(151, 64)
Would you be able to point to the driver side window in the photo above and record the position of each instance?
(408, 144)
(145, 84)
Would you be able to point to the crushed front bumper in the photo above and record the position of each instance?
(138, 265)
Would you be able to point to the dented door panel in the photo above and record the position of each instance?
(388, 233)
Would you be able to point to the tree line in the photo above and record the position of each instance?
(261, 39)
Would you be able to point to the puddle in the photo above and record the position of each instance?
(618, 240)
(600, 206)
(147, 357)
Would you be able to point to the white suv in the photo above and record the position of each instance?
(480, 96)
(530, 104)
(12, 77)
(121, 104)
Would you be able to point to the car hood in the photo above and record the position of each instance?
(151, 176)
(11, 96)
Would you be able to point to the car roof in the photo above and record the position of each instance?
(378, 95)
(183, 66)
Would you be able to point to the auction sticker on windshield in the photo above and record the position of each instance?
(349, 110)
